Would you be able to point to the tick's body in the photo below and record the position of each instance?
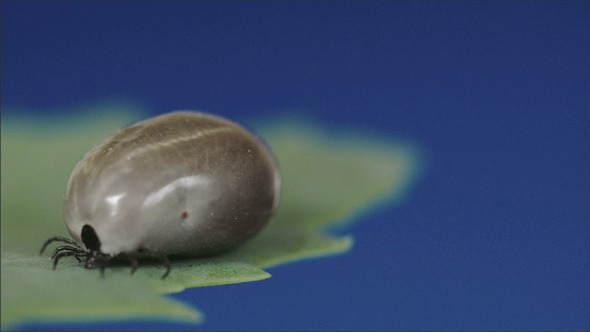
(183, 183)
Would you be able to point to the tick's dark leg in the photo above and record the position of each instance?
(160, 255)
(68, 248)
(76, 254)
(131, 259)
(103, 260)
(103, 267)
(58, 239)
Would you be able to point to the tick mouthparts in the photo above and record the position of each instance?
(92, 257)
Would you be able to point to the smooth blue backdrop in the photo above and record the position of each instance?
(495, 236)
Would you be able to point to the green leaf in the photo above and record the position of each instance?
(328, 178)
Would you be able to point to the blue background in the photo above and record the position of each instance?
(494, 236)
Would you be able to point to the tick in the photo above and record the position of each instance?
(179, 184)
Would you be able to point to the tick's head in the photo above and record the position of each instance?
(92, 244)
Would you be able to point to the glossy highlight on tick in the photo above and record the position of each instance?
(179, 184)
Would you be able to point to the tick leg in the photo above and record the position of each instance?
(131, 259)
(58, 239)
(161, 256)
(76, 254)
(103, 267)
(67, 248)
